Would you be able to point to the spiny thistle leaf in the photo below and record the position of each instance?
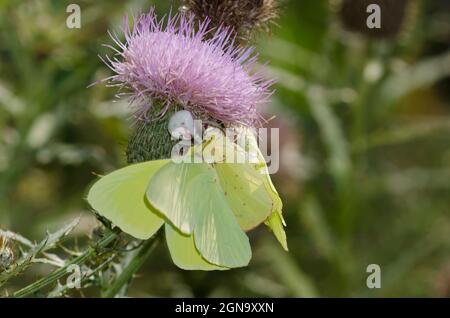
(54, 238)
(22, 264)
(35, 250)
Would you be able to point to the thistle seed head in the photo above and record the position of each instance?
(243, 16)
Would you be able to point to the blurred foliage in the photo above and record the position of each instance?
(365, 162)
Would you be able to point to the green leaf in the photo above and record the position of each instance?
(184, 253)
(332, 132)
(190, 196)
(421, 74)
(120, 197)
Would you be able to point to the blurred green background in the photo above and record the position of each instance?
(365, 156)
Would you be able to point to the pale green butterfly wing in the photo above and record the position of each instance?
(171, 192)
(120, 197)
(217, 234)
(248, 186)
(276, 221)
(242, 184)
(246, 193)
(184, 253)
(189, 195)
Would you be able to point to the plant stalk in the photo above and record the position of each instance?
(135, 264)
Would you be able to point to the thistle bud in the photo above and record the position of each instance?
(354, 16)
(243, 16)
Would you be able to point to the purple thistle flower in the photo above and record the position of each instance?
(180, 63)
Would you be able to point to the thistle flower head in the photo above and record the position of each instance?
(174, 64)
(243, 16)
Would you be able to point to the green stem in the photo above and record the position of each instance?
(65, 288)
(60, 273)
(135, 264)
